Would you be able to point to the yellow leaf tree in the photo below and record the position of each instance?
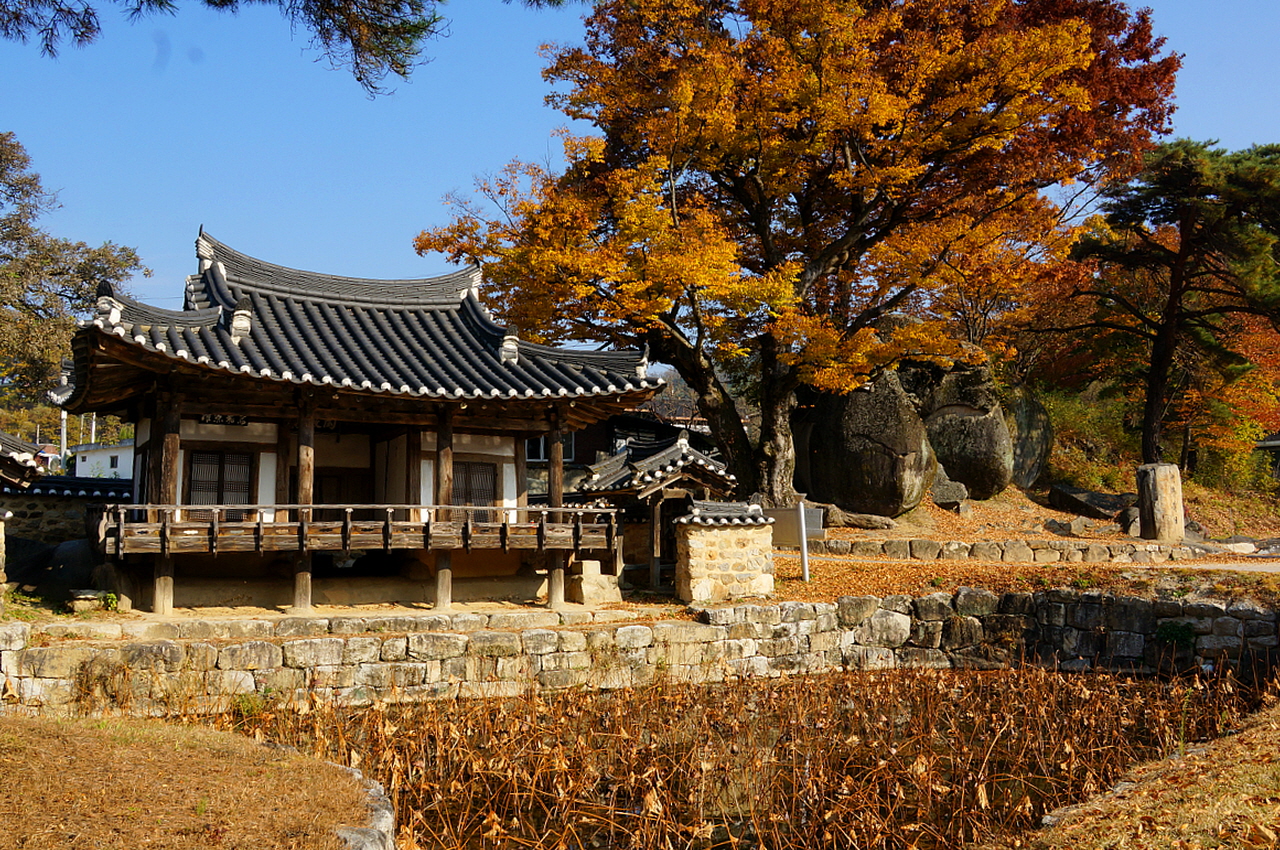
(771, 177)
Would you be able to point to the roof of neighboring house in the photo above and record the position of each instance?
(644, 467)
(112, 489)
(422, 339)
(18, 464)
(724, 513)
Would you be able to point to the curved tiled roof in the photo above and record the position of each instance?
(649, 464)
(422, 338)
(18, 463)
(724, 513)
(114, 489)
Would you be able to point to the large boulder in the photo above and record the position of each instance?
(967, 431)
(869, 451)
(1032, 433)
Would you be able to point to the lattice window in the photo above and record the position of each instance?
(220, 478)
(475, 483)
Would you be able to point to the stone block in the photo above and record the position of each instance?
(1086, 615)
(522, 620)
(230, 682)
(870, 658)
(1052, 614)
(986, 550)
(954, 550)
(854, 610)
(14, 636)
(240, 629)
(348, 625)
(395, 649)
(361, 650)
(794, 612)
(960, 631)
(866, 548)
(1160, 507)
(201, 656)
(560, 679)
(1047, 556)
(900, 603)
(465, 622)
(926, 633)
(1248, 609)
(57, 662)
(1258, 628)
(1227, 626)
(161, 656)
(313, 652)
(1017, 552)
(1125, 645)
(1132, 615)
(437, 645)
(571, 642)
(1017, 603)
(633, 637)
(1218, 646)
(928, 659)
(302, 627)
(390, 674)
(493, 644)
(1204, 609)
(925, 550)
(251, 655)
(677, 632)
(204, 630)
(975, 602)
(539, 641)
(885, 628)
(898, 550)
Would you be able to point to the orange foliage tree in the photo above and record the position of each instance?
(771, 177)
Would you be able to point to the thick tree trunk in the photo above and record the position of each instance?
(776, 454)
(1163, 347)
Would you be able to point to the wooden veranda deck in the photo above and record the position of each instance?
(212, 529)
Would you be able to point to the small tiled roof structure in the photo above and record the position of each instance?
(428, 339)
(724, 513)
(109, 489)
(642, 468)
(18, 464)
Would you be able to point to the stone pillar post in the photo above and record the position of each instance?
(1160, 503)
(444, 496)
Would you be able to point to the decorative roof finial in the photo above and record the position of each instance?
(241, 320)
(510, 352)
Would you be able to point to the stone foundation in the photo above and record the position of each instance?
(1013, 551)
(718, 563)
(148, 667)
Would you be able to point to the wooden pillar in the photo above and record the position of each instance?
(444, 496)
(283, 452)
(413, 472)
(166, 443)
(555, 498)
(306, 496)
(655, 543)
(522, 473)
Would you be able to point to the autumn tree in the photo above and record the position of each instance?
(772, 177)
(1189, 247)
(45, 281)
(373, 38)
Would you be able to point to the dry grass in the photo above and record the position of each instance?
(124, 783)
(1226, 794)
(894, 760)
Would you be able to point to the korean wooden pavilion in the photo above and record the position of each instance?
(289, 422)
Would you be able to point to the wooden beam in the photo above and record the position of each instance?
(162, 600)
(655, 543)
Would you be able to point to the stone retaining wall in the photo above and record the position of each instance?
(1013, 551)
(146, 667)
(49, 519)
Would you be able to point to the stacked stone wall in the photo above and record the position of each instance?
(1012, 551)
(204, 665)
(49, 519)
(718, 563)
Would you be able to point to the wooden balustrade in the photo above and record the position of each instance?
(169, 530)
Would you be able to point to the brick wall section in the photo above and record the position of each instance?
(203, 665)
(718, 563)
(49, 519)
(1013, 551)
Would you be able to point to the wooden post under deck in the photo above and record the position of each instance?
(655, 542)
(166, 440)
(413, 472)
(555, 498)
(444, 496)
(306, 496)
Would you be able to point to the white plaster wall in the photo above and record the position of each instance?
(482, 444)
(266, 483)
(142, 431)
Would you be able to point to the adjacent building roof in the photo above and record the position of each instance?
(18, 464)
(110, 489)
(724, 513)
(422, 339)
(644, 467)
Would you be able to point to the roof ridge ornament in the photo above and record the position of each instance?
(642, 367)
(510, 352)
(241, 320)
(109, 307)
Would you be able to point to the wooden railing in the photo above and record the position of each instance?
(212, 529)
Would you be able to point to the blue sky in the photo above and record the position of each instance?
(233, 122)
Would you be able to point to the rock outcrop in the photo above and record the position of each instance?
(869, 450)
(968, 432)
